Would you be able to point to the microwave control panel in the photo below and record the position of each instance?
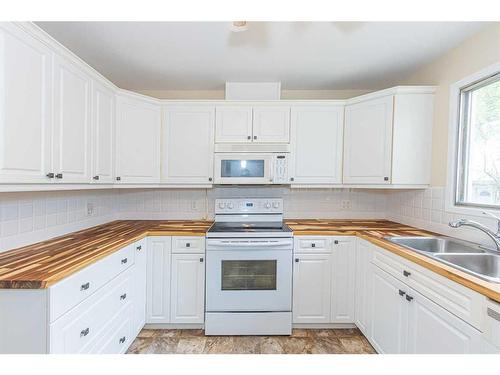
(280, 175)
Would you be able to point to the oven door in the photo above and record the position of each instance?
(249, 277)
(241, 168)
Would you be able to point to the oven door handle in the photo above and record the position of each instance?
(235, 245)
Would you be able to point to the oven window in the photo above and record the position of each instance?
(249, 274)
(242, 168)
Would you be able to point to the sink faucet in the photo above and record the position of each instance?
(474, 224)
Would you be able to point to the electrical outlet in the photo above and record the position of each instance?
(345, 204)
(194, 206)
(90, 209)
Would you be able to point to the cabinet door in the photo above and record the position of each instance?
(368, 142)
(390, 313)
(434, 330)
(316, 145)
(343, 280)
(140, 272)
(138, 130)
(188, 145)
(188, 288)
(363, 311)
(72, 121)
(233, 124)
(311, 288)
(271, 124)
(158, 279)
(103, 134)
(26, 103)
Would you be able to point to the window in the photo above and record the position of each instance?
(478, 173)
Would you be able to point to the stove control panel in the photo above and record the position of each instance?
(251, 205)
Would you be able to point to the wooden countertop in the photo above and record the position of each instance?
(43, 264)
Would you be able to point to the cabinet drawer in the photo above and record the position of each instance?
(75, 288)
(117, 336)
(390, 263)
(188, 245)
(492, 324)
(306, 244)
(80, 327)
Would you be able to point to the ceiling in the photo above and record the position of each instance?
(302, 55)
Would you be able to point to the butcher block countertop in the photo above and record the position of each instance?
(43, 264)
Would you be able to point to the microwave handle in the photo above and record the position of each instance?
(272, 168)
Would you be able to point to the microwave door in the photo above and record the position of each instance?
(242, 169)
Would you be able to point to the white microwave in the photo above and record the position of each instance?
(251, 168)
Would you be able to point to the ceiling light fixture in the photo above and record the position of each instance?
(238, 26)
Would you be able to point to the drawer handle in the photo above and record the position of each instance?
(85, 332)
(124, 260)
(313, 245)
(336, 242)
(409, 298)
(201, 260)
(85, 286)
(123, 296)
(188, 244)
(122, 340)
(493, 314)
(406, 273)
(139, 248)
(401, 292)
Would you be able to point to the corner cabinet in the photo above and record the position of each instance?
(138, 134)
(187, 145)
(316, 145)
(387, 137)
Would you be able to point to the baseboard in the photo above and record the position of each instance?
(324, 325)
(173, 326)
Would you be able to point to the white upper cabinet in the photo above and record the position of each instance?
(233, 124)
(26, 103)
(72, 121)
(188, 145)
(388, 137)
(316, 145)
(368, 142)
(103, 133)
(271, 124)
(257, 124)
(138, 130)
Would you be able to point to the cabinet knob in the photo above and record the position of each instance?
(59, 175)
(124, 260)
(409, 298)
(336, 242)
(85, 286)
(118, 179)
(210, 179)
(406, 273)
(292, 179)
(313, 245)
(84, 332)
(139, 248)
(296, 260)
(50, 175)
(401, 292)
(201, 260)
(96, 178)
(249, 137)
(123, 296)
(254, 137)
(188, 244)
(386, 178)
(122, 339)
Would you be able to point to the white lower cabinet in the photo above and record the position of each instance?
(158, 279)
(188, 288)
(404, 321)
(324, 279)
(175, 280)
(311, 288)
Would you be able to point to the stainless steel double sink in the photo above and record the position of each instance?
(465, 256)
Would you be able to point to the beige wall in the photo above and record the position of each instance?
(474, 54)
(285, 94)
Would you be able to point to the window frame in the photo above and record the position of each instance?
(457, 141)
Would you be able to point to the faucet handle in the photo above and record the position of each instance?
(494, 217)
